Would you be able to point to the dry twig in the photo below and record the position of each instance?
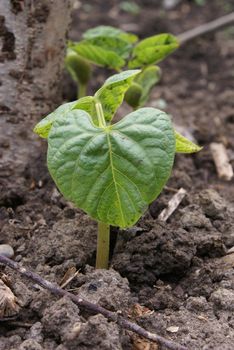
(172, 205)
(68, 277)
(221, 160)
(94, 308)
(206, 28)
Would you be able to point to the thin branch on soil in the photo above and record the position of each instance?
(94, 308)
(206, 28)
(221, 160)
(172, 204)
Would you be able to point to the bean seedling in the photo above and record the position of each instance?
(112, 171)
(115, 49)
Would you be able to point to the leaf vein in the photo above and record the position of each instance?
(114, 180)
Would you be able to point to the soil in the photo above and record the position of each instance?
(174, 278)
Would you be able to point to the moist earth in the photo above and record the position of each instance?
(174, 278)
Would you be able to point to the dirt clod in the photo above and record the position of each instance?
(60, 318)
(213, 205)
(223, 299)
(106, 288)
(161, 251)
(96, 333)
(30, 344)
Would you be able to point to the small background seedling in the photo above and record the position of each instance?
(115, 49)
(111, 171)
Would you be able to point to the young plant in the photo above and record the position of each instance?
(113, 48)
(111, 171)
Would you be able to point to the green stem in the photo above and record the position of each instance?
(82, 90)
(100, 114)
(103, 246)
(103, 238)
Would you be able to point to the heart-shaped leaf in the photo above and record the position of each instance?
(183, 145)
(86, 103)
(153, 50)
(114, 172)
(97, 55)
(112, 92)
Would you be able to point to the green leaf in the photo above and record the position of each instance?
(115, 44)
(147, 79)
(78, 67)
(153, 50)
(112, 92)
(110, 95)
(130, 7)
(85, 103)
(129, 37)
(133, 95)
(139, 91)
(183, 145)
(112, 173)
(102, 31)
(108, 31)
(97, 55)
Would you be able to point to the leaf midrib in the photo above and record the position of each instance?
(113, 176)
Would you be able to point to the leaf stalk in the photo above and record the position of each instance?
(100, 115)
(82, 90)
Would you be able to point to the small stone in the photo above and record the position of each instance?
(36, 332)
(173, 329)
(18, 258)
(6, 250)
(170, 4)
(21, 248)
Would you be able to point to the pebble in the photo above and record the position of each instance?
(6, 250)
(170, 4)
(173, 329)
(18, 258)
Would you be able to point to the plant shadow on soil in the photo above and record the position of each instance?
(179, 270)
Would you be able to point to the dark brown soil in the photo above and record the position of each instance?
(173, 278)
